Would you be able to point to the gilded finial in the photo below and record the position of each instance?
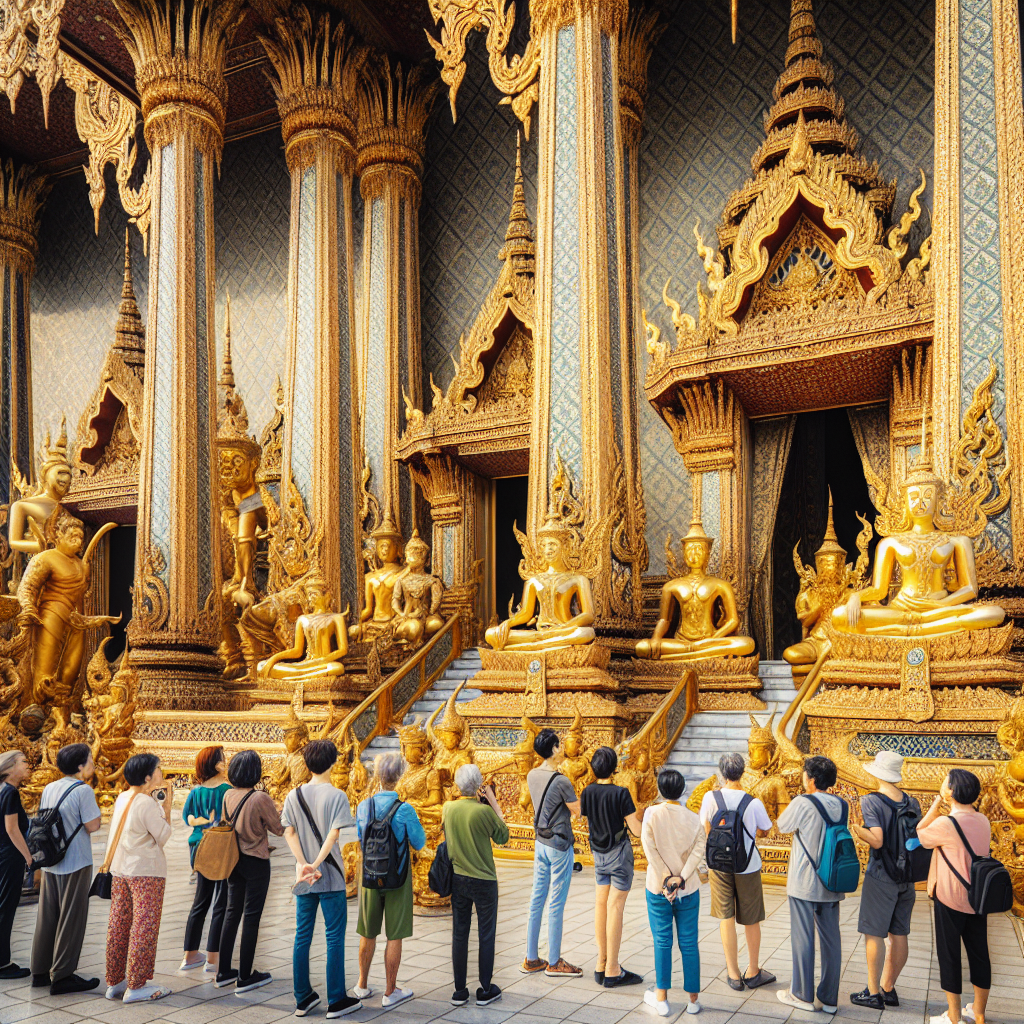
(227, 373)
(388, 526)
(830, 544)
(129, 334)
(519, 234)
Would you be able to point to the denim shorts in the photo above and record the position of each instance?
(615, 867)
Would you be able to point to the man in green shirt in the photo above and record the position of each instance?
(470, 823)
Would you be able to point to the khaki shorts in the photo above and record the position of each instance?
(390, 907)
(739, 896)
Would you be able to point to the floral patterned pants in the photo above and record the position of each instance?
(133, 928)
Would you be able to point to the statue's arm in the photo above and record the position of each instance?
(526, 608)
(340, 627)
(731, 619)
(33, 579)
(436, 592)
(398, 598)
(367, 601)
(966, 574)
(664, 614)
(16, 531)
(294, 652)
(885, 559)
(586, 599)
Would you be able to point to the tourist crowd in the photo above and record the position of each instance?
(232, 819)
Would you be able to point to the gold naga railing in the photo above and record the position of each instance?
(387, 706)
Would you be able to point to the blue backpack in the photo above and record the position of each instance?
(838, 867)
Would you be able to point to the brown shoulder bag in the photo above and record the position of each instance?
(217, 854)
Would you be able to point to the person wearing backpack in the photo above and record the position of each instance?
(64, 890)
(732, 820)
(389, 829)
(812, 906)
(316, 816)
(887, 897)
(956, 920)
(611, 817)
(554, 804)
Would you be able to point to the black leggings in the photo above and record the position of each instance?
(950, 927)
(247, 892)
(12, 874)
(207, 893)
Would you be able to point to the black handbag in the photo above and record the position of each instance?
(103, 880)
(442, 874)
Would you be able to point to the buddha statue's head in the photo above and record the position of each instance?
(414, 742)
(830, 558)
(318, 597)
(922, 490)
(417, 551)
(70, 534)
(387, 541)
(696, 546)
(55, 471)
(761, 744)
(551, 538)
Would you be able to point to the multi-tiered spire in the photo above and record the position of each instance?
(129, 335)
(519, 243)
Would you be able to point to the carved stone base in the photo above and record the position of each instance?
(578, 669)
(343, 691)
(724, 684)
(166, 683)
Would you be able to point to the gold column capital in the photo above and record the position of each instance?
(179, 50)
(636, 44)
(552, 15)
(22, 192)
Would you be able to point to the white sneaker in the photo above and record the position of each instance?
(967, 1013)
(209, 968)
(824, 1007)
(943, 1018)
(361, 993)
(693, 1006)
(146, 994)
(400, 995)
(118, 990)
(660, 1006)
(787, 997)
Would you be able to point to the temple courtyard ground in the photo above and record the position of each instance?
(426, 966)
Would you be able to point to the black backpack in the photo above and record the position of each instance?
(726, 850)
(381, 853)
(900, 864)
(47, 841)
(441, 877)
(990, 890)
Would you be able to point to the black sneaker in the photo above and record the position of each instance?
(865, 998)
(762, 977)
(229, 977)
(12, 972)
(890, 998)
(343, 1007)
(735, 983)
(599, 977)
(40, 980)
(493, 994)
(73, 983)
(255, 980)
(623, 978)
(460, 997)
(311, 1002)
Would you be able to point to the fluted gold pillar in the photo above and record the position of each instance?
(317, 70)
(178, 49)
(585, 395)
(393, 109)
(22, 192)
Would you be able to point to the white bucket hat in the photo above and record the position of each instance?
(887, 766)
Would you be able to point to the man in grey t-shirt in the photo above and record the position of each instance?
(811, 905)
(554, 804)
(64, 892)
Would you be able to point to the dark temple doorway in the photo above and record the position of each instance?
(510, 506)
(121, 579)
(823, 455)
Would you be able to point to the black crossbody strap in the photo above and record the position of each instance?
(329, 859)
(232, 818)
(543, 796)
(960, 878)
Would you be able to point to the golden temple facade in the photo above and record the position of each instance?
(506, 364)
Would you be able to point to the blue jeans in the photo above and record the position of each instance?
(552, 873)
(335, 916)
(684, 910)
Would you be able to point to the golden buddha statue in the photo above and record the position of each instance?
(379, 585)
(450, 741)
(52, 592)
(923, 606)
(420, 784)
(576, 766)
(706, 609)
(416, 596)
(321, 642)
(566, 604)
(29, 515)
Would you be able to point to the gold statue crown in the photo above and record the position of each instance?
(388, 527)
(294, 723)
(830, 543)
(696, 531)
(577, 722)
(452, 721)
(553, 526)
(55, 454)
(762, 734)
(417, 543)
(922, 473)
(413, 733)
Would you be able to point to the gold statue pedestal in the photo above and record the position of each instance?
(578, 669)
(724, 684)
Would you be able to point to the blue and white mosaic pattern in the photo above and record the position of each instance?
(5, 387)
(305, 341)
(204, 494)
(346, 524)
(609, 101)
(448, 574)
(374, 417)
(964, 747)
(711, 516)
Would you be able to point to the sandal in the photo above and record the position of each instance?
(148, 993)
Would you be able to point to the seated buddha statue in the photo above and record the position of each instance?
(557, 608)
(706, 610)
(923, 605)
(416, 596)
(30, 513)
(321, 642)
(379, 585)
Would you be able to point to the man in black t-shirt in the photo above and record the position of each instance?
(611, 815)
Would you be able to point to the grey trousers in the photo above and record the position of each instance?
(804, 918)
(60, 923)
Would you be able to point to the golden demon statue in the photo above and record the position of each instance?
(30, 515)
(576, 766)
(416, 597)
(379, 585)
(705, 606)
(350, 776)
(450, 741)
(526, 759)
(557, 608)
(926, 556)
(1010, 789)
(292, 771)
(110, 707)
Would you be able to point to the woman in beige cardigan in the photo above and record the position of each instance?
(673, 841)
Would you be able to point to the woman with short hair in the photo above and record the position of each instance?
(202, 809)
(955, 919)
(255, 818)
(471, 823)
(14, 854)
(673, 842)
(139, 874)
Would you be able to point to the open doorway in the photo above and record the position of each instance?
(508, 506)
(121, 579)
(823, 456)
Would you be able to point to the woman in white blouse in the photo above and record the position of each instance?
(673, 841)
(139, 873)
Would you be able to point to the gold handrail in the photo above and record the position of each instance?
(376, 715)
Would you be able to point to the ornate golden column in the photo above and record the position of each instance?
(178, 49)
(22, 192)
(317, 71)
(393, 109)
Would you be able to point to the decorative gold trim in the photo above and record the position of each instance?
(20, 57)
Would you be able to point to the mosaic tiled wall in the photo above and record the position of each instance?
(702, 125)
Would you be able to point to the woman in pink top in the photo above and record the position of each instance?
(955, 921)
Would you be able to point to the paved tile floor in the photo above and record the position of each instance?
(527, 999)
